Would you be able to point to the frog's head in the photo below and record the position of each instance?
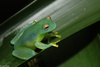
(46, 25)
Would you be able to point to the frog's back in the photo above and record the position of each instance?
(30, 37)
(16, 38)
(27, 38)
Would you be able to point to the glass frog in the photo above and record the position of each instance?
(30, 37)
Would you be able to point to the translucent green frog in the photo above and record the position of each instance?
(30, 37)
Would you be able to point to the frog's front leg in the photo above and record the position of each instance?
(23, 53)
(50, 35)
(55, 34)
(41, 45)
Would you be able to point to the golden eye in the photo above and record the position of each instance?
(46, 26)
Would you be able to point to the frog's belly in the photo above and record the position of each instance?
(30, 44)
(26, 41)
(26, 45)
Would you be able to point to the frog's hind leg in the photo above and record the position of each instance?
(23, 53)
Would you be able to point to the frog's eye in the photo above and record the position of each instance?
(46, 27)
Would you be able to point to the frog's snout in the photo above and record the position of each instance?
(48, 17)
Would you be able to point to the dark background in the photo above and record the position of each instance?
(10, 7)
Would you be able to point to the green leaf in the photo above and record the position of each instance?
(70, 16)
(88, 57)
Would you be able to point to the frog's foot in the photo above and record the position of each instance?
(54, 44)
(34, 22)
(23, 53)
(55, 35)
(58, 36)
